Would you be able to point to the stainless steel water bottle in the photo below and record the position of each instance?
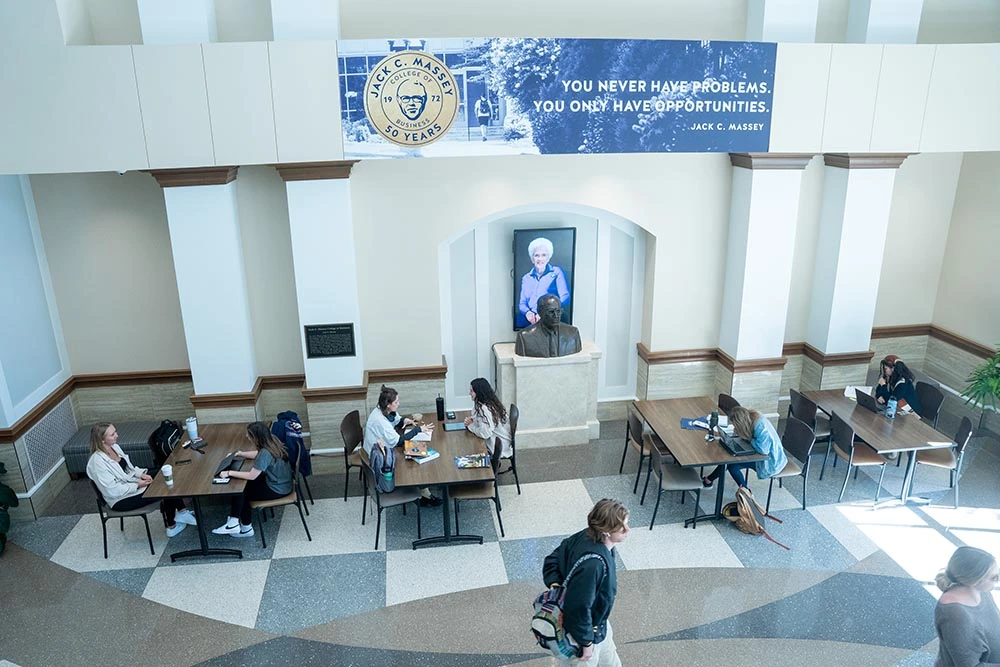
(440, 408)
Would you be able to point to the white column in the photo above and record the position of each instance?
(782, 20)
(305, 19)
(208, 259)
(326, 272)
(857, 193)
(884, 21)
(762, 221)
(177, 21)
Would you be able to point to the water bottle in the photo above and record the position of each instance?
(890, 408)
(440, 408)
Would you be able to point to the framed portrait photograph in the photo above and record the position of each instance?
(544, 262)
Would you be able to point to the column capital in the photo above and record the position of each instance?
(865, 160)
(176, 178)
(315, 171)
(770, 160)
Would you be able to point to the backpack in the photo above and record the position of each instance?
(748, 515)
(547, 621)
(163, 440)
(383, 468)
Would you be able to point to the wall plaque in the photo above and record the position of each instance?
(330, 340)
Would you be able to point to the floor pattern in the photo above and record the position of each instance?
(854, 587)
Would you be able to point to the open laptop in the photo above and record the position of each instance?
(231, 462)
(735, 445)
(868, 402)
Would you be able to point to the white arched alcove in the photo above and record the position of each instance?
(475, 271)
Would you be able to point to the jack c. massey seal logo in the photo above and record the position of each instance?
(411, 98)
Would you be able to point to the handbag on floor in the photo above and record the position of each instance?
(547, 621)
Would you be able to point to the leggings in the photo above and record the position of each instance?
(168, 506)
(256, 489)
(735, 471)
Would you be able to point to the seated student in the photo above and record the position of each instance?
(381, 427)
(489, 419)
(885, 369)
(751, 426)
(269, 478)
(899, 385)
(122, 484)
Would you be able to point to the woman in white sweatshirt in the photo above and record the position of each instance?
(122, 484)
(489, 418)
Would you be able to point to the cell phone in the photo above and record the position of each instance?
(182, 462)
(220, 480)
(449, 415)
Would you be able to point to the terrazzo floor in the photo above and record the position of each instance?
(855, 587)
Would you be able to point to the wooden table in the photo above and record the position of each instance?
(194, 480)
(689, 448)
(443, 472)
(905, 433)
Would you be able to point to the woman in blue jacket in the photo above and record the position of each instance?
(751, 426)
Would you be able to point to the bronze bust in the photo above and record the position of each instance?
(548, 337)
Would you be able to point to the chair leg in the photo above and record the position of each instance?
(418, 520)
(805, 485)
(404, 510)
(499, 520)
(364, 506)
(305, 480)
(847, 477)
(635, 487)
(879, 487)
(770, 487)
(263, 539)
(347, 481)
(621, 466)
(299, 505)
(956, 491)
(104, 529)
(823, 467)
(149, 536)
(856, 469)
(656, 508)
(378, 527)
(121, 523)
(517, 482)
(697, 501)
(457, 531)
(951, 481)
(299, 489)
(649, 473)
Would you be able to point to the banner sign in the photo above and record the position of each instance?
(452, 97)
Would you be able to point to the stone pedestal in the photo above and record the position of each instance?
(557, 398)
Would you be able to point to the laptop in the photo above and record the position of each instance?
(231, 462)
(735, 445)
(868, 402)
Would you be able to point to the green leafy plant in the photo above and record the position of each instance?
(984, 386)
(8, 499)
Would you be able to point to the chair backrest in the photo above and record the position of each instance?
(963, 435)
(727, 403)
(495, 457)
(656, 460)
(798, 439)
(841, 433)
(350, 431)
(634, 427)
(802, 408)
(930, 398)
(102, 504)
(366, 470)
(512, 416)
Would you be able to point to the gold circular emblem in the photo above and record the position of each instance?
(411, 98)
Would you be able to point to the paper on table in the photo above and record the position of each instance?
(421, 437)
(849, 391)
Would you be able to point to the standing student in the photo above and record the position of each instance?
(590, 593)
(381, 428)
(269, 478)
(484, 111)
(122, 484)
(489, 419)
(753, 427)
(966, 617)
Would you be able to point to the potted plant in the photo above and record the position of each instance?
(8, 499)
(984, 386)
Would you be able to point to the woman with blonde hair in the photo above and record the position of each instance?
(122, 484)
(966, 617)
(756, 429)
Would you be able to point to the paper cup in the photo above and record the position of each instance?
(192, 427)
(168, 474)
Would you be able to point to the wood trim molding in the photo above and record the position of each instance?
(961, 342)
(842, 359)
(901, 331)
(327, 394)
(865, 160)
(770, 160)
(21, 426)
(131, 378)
(793, 349)
(675, 356)
(315, 171)
(751, 365)
(383, 375)
(282, 382)
(177, 178)
(242, 399)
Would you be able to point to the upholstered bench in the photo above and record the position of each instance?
(133, 438)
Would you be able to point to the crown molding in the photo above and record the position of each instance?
(315, 171)
(770, 160)
(179, 178)
(865, 160)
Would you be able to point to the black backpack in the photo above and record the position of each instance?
(163, 440)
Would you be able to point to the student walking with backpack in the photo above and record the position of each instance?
(590, 591)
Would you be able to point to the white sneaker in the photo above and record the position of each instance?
(186, 516)
(244, 531)
(176, 530)
(230, 527)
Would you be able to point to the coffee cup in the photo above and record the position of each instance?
(417, 416)
(168, 474)
(192, 427)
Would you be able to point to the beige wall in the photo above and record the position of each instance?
(810, 200)
(919, 217)
(968, 294)
(683, 200)
(112, 270)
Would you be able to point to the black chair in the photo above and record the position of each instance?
(727, 403)
(951, 458)
(106, 514)
(350, 431)
(856, 453)
(640, 442)
(482, 490)
(807, 411)
(399, 497)
(512, 416)
(293, 498)
(798, 442)
(930, 398)
(672, 477)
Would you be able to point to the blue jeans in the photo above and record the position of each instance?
(735, 471)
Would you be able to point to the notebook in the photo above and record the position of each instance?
(454, 426)
(868, 402)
